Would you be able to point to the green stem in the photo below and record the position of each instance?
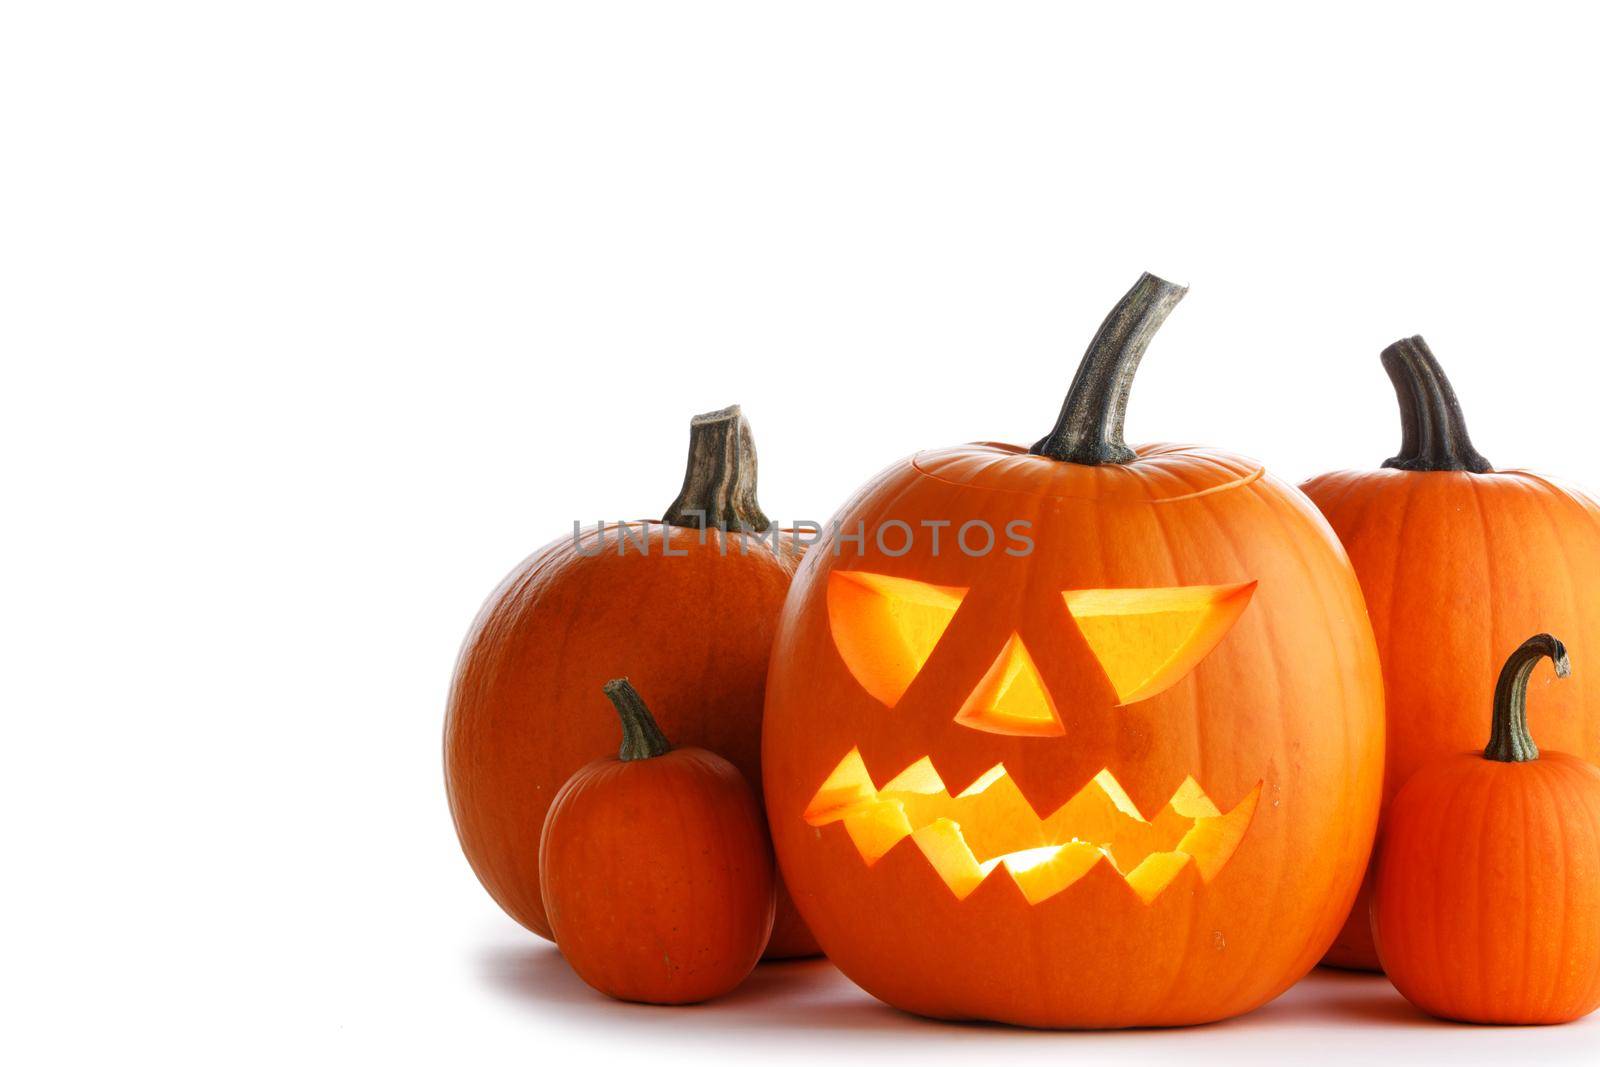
(641, 737)
(1509, 740)
(1089, 428)
(1433, 431)
(719, 485)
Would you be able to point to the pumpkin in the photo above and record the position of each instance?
(686, 606)
(1077, 735)
(655, 868)
(1457, 559)
(1486, 905)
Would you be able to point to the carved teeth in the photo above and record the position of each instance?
(992, 819)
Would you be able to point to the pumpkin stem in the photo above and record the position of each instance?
(1089, 428)
(719, 486)
(1433, 432)
(1509, 740)
(641, 737)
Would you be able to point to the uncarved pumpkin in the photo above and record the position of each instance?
(1458, 560)
(1077, 735)
(686, 607)
(655, 868)
(1487, 900)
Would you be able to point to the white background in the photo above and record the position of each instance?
(316, 317)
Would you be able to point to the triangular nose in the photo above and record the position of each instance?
(1012, 698)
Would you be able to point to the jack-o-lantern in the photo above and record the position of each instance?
(1075, 736)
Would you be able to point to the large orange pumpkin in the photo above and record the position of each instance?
(1458, 560)
(1075, 736)
(1487, 895)
(686, 607)
(655, 867)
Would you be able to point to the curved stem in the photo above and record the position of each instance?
(1509, 740)
(719, 486)
(1089, 428)
(1433, 432)
(641, 737)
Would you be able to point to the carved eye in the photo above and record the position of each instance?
(886, 628)
(1148, 639)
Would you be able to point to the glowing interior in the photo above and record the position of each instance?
(990, 825)
(1012, 698)
(1148, 639)
(886, 628)
(1145, 640)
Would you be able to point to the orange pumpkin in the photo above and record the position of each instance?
(686, 606)
(656, 869)
(1075, 736)
(1487, 894)
(1457, 559)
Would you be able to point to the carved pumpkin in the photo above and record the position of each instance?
(1456, 560)
(655, 868)
(686, 606)
(1120, 769)
(1487, 899)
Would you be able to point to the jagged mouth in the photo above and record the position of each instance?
(990, 826)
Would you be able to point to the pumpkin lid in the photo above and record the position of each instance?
(1159, 473)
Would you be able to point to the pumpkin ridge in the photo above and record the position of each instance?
(1546, 509)
(1248, 973)
(1488, 567)
(1408, 508)
(1343, 668)
(1550, 804)
(1586, 773)
(1482, 795)
(1441, 901)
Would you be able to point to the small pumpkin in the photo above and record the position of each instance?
(686, 606)
(1079, 735)
(1457, 559)
(1487, 894)
(655, 868)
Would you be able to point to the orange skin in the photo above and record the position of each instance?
(1487, 902)
(1290, 700)
(692, 631)
(1456, 566)
(657, 876)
